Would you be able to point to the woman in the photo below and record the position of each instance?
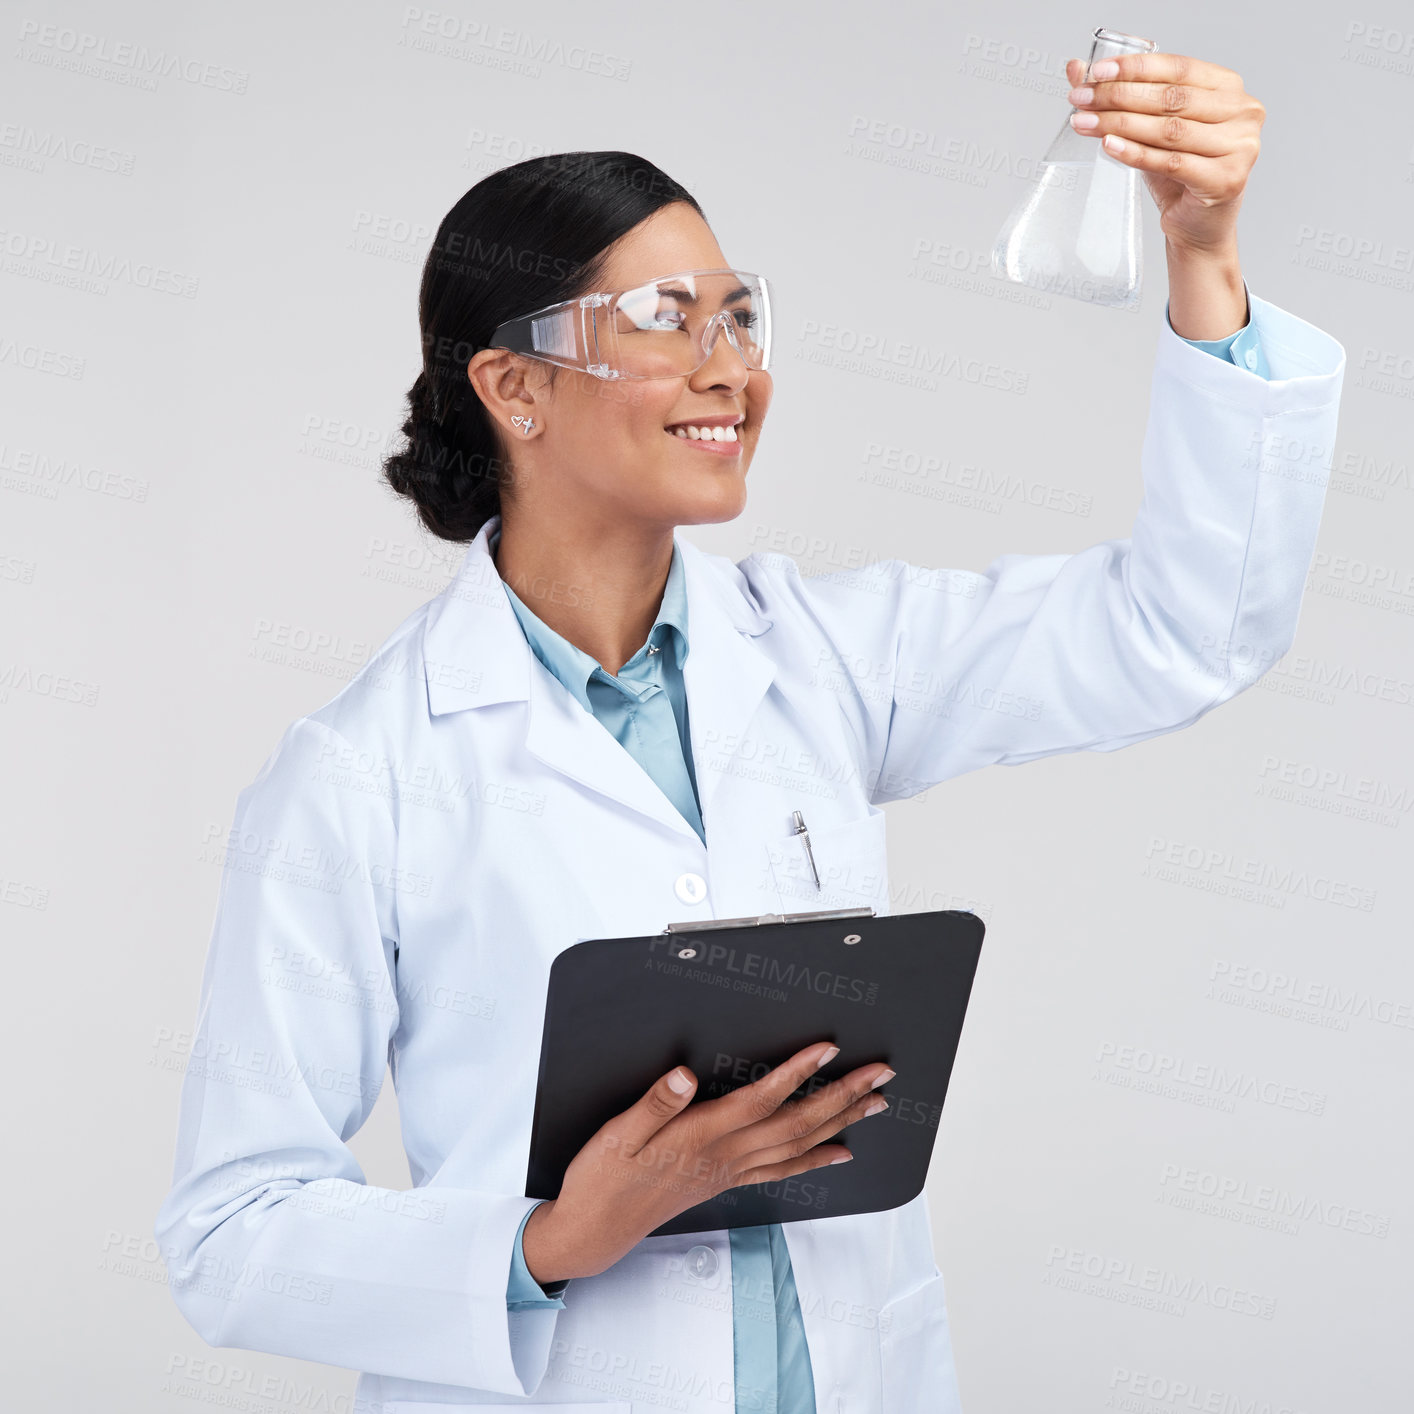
(598, 729)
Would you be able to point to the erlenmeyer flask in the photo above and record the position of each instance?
(1076, 231)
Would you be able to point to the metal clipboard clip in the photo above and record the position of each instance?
(698, 925)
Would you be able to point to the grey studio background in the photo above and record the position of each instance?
(195, 549)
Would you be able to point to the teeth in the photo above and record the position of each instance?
(709, 434)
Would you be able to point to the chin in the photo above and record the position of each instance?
(714, 509)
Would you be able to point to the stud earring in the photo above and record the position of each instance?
(528, 421)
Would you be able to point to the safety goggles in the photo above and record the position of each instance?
(664, 329)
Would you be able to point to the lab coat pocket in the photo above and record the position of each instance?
(915, 1351)
(850, 858)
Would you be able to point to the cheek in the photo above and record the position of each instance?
(759, 390)
(618, 424)
(646, 409)
(612, 412)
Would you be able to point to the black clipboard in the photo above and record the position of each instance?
(731, 999)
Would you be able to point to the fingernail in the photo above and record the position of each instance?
(1082, 95)
(828, 1057)
(880, 1104)
(1104, 69)
(680, 1081)
(1084, 120)
(843, 1159)
(883, 1079)
(1113, 143)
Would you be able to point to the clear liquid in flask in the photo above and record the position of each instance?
(1076, 231)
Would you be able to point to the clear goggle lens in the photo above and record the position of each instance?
(666, 328)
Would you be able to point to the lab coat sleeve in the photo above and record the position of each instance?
(941, 672)
(273, 1239)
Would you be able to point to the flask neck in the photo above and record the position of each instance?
(1110, 44)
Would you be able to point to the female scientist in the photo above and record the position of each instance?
(598, 729)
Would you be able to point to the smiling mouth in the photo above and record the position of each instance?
(711, 434)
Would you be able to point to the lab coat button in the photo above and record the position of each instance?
(1250, 358)
(701, 1262)
(690, 888)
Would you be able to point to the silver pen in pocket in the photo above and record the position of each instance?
(805, 840)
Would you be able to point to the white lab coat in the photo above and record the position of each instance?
(414, 854)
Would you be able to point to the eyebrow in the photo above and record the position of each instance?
(692, 299)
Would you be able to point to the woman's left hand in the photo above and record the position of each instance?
(1189, 126)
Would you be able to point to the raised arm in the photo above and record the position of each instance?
(948, 670)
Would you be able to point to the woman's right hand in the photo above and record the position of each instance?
(660, 1157)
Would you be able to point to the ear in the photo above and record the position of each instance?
(498, 377)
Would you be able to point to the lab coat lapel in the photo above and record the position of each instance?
(476, 655)
(570, 740)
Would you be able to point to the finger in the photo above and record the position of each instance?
(1213, 178)
(1164, 68)
(1199, 105)
(1178, 134)
(792, 1122)
(820, 1158)
(762, 1098)
(793, 1148)
(664, 1101)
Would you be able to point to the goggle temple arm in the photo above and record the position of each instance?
(564, 334)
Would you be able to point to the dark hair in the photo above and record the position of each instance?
(526, 236)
